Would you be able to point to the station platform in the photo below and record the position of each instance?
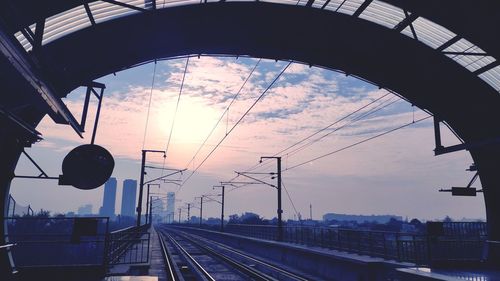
(153, 270)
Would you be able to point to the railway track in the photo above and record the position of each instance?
(189, 257)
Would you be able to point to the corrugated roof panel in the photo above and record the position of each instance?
(350, 6)
(286, 2)
(492, 77)
(463, 45)
(174, 3)
(65, 23)
(471, 62)
(407, 32)
(318, 4)
(430, 33)
(334, 5)
(103, 11)
(382, 13)
(22, 39)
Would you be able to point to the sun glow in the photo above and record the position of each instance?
(193, 122)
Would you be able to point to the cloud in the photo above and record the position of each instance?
(375, 177)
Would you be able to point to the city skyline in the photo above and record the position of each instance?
(129, 198)
(109, 198)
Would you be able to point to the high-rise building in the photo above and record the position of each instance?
(85, 210)
(109, 199)
(128, 197)
(170, 207)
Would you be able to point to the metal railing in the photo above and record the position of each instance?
(15, 209)
(62, 241)
(55, 241)
(129, 245)
(404, 247)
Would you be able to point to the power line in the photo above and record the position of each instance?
(239, 120)
(323, 129)
(289, 197)
(354, 120)
(149, 107)
(225, 111)
(356, 143)
(177, 106)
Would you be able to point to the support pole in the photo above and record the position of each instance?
(280, 211)
(222, 211)
(180, 211)
(141, 184)
(201, 210)
(150, 210)
(147, 206)
(278, 188)
(437, 135)
(189, 210)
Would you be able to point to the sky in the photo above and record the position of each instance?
(396, 173)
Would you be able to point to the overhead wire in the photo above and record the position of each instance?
(356, 143)
(350, 122)
(289, 197)
(373, 110)
(177, 106)
(224, 113)
(239, 120)
(175, 113)
(149, 106)
(356, 119)
(323, 129)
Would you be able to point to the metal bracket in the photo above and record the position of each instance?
(42, 174)
(168, 175)
(255, 179)
(440, 149)
(18, 122)
(91, 89)
(43, 93)
(464, 191)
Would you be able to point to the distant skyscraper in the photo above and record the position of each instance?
(109, 199)
(85, 210)
(128, 197)
(170, 206)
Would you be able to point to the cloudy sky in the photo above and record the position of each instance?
(393, 174)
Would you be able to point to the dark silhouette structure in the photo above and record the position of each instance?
(129, 198)
(439, 55)
(109, 199)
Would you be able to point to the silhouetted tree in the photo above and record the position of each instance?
(250, 218)
(234, 219)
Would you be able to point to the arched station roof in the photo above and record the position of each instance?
(462, 30)
(441, 55)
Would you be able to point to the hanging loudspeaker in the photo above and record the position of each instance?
(87, 166)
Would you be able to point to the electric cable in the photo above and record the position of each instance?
(225, 111)
(149, 107)
(356, 143)
(238, 122)
(323, 129)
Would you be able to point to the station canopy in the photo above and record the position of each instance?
(459, 30)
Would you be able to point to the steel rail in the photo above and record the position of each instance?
(264, 263)
(252, 272)
(200, 268)
(172, 274)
